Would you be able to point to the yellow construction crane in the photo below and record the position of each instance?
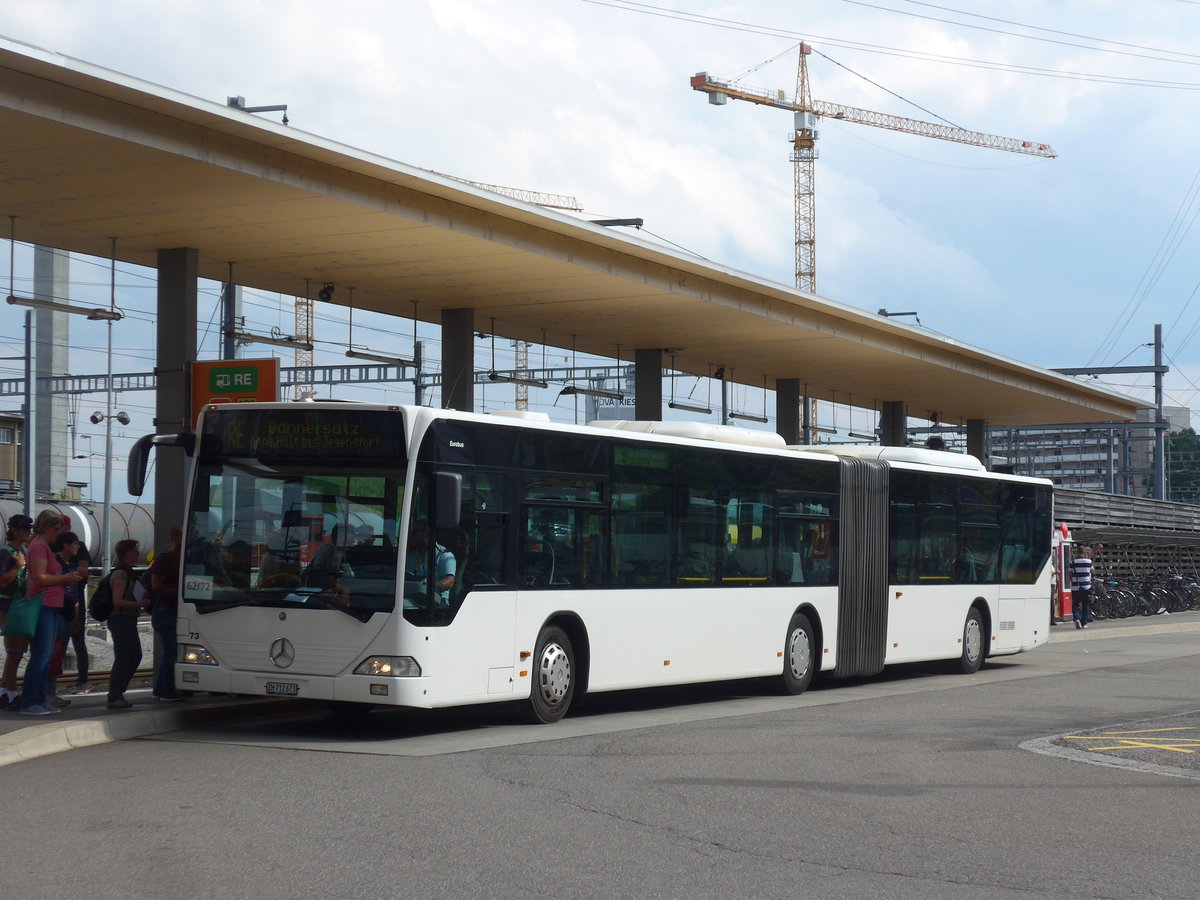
(807, 112)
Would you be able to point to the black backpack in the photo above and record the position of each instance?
(147, 583)
(100, 606)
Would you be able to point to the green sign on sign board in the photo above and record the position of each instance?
(233, 380)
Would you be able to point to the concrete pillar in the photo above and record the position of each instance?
(787, 409)
(893, 424)
(977, 441)
(176, 334)
(51, 281)
(458, 359)
(647, 385)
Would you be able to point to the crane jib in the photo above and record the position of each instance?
(780, 100)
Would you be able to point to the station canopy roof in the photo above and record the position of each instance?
(87, 154)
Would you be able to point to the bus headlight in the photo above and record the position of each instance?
(195, 655)
(389, 666)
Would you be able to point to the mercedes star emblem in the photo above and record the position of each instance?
(283, 653)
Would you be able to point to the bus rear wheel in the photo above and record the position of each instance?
(972, 643)
(554, 676)
(799, 655)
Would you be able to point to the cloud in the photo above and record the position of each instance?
(582, 99)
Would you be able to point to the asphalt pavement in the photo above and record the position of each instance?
(87, 721)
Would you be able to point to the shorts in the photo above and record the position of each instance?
(17, 645)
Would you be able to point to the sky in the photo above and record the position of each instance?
(1062, 262)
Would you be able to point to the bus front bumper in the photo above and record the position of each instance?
(379, 690)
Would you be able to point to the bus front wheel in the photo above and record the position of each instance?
(972, 643)
(553, 678)
(799, 655)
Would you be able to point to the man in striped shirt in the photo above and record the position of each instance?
(1081, 587)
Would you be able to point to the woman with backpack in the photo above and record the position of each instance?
(12, 584)
(45, 577)
(122, 623)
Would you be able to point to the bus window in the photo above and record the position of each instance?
(700, 536)
(1025, 532)
(807, 551)
(938, 549)
(478, 543)
(749, 525)
(641, 541)
(699, 524)
(549, 452)
(979, 554)
(640, 516)
(549, 487)
(562, 547)
(905, 537)
(979, 515)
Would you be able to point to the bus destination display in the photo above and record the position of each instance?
(292, 433)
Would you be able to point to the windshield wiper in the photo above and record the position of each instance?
(210, 606)
(327, 602)
(251, 599)
(324, 601)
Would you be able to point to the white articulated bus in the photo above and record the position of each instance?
(419, 557)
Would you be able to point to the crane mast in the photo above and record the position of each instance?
(804, 156)
(807, 113)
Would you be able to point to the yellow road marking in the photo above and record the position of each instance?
(1126, 740)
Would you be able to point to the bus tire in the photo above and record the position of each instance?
(554, 676)
(972, 643)
(799, 656)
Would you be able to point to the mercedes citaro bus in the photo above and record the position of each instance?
(408, 556)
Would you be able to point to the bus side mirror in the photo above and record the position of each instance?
(447, 499)
(139, 456)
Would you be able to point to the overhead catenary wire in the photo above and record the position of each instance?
(1165, 252)
(1195, 59)
(885, 90)
(770, 31)
(1084, 37)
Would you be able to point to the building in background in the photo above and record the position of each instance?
(1092, 457)
(12, 431)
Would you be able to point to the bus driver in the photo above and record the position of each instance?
(417, 561)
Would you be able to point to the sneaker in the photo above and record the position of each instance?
(40, 709)
(77, 689)
(59, 702)
(1079, 624)
(173, 697)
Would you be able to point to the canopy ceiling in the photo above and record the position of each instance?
(87, 154)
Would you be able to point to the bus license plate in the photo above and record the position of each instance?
(285, 688)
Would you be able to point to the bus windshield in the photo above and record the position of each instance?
(291, 537)
(275, 529)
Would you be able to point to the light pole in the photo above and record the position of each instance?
(110, 315)
(28, 472)
(107, 418)
(89, 456)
